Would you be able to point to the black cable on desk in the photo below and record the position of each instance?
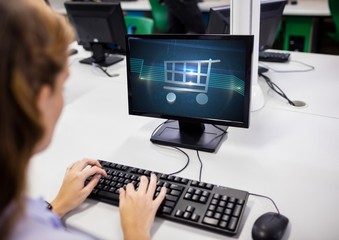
(220, 135)
(263, 196)
(105, 71)
(176, 148)
(201, 166)
(276, 89)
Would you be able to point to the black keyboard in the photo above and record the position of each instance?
(198, 204)
(273, 56)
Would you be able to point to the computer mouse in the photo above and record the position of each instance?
(269, 226)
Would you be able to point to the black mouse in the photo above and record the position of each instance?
(269, 226)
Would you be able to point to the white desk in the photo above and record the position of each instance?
(288, 154)
(308, 8)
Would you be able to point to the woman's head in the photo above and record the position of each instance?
(33, 67)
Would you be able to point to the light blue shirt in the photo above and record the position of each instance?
(40, 223)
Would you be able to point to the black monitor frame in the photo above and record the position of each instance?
(200, 133)
(101, 28)
(270, 17)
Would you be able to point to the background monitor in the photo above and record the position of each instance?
(195, 81)
(270, 18)
(99, 27)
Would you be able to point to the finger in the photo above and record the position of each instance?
(70, 167)
(94, 170)
(152, 186)
(90, 186)
(80, 165)
(158, 200)
(122, 194)
(143, 184)
(130, 188)
(93, 162)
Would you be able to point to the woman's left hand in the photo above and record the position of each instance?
(73, 190)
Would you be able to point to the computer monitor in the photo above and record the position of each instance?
(270, 18)
(99, 27)
(201, 83)
(219, 20)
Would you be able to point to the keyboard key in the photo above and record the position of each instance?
(166, 210)
(210, 221)
(232, 223)
(195, 217)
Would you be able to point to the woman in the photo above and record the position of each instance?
(33, 69)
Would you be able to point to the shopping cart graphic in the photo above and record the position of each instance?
(188, 76)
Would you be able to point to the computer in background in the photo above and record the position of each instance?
(101, 28)
(201, 83)
(270, 18)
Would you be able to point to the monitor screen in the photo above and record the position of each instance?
(101, 27)
(270, 18)
(199, 81)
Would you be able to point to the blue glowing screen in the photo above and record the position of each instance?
(190, 78)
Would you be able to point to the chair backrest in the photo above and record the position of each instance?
(334, 9)
(139, 25)
(160, 15)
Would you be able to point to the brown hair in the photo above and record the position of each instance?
(34, 42)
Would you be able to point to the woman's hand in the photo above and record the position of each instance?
(73, 190)
(138, 209)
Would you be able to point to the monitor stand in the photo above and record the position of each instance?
(197, 136)
(100, 57)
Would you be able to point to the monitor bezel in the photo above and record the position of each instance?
(248, 39)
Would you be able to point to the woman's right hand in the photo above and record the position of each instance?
(138, 209)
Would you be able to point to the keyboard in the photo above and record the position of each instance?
(198, 204)
(273, 56)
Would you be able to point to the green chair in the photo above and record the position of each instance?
(334, 9)
(139, 25)
(160, 15)
(298, 33)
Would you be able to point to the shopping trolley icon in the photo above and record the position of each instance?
(188, 76)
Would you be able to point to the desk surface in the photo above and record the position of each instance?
(308, 8)
(288, 154)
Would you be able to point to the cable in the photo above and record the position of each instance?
(310, 67)
(201, 165)
(276, 89)
(223, 130)
(178, 149)
(156, 129)
(105, 70)
(188, 161)
(263, 196)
